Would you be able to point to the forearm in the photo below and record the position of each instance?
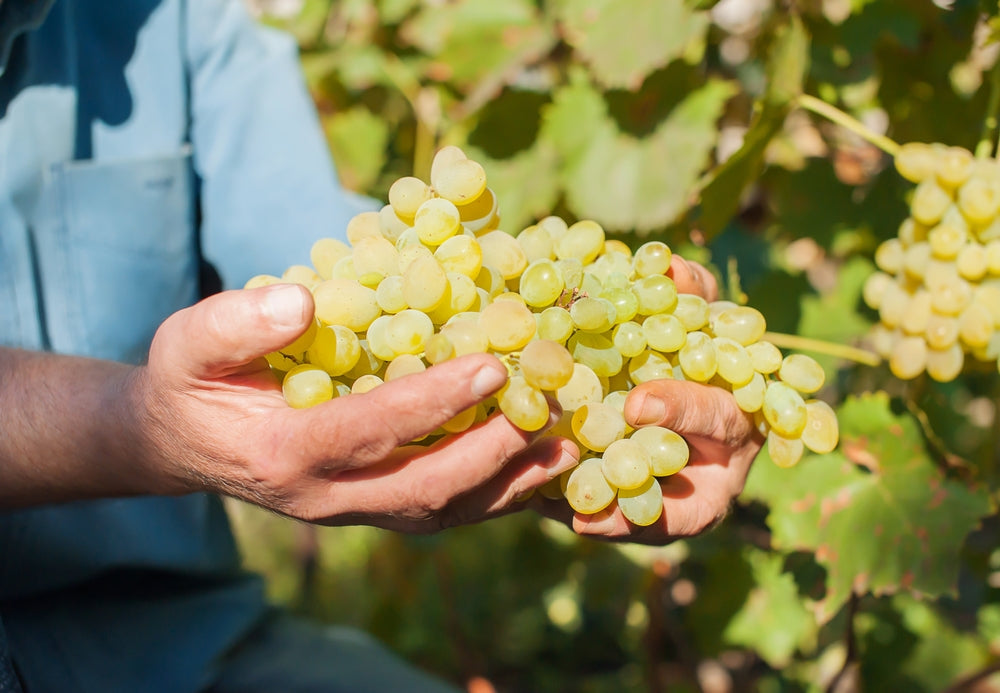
(68, 430)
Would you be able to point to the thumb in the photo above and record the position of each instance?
(225, 332)
(687, 407)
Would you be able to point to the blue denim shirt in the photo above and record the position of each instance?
(139, 139)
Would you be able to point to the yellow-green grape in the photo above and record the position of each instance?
(656, 294)
(537, 243)
(583, 387)
(490, 280)
(460, 254)
(916, 161)
(894, 304)
(975, 325)
(629, 338)
(624, 301)
(336, 349)
(626, 464)
(597, 425)
(306, 386)
(260, 280)
(346, 302)
(692, 311)
(889, 256)
(822, 430)
(461, 295)
(556, 226)
(583, 241)
(502, 252)
(979, 201)
(642, 506)
(406, 195)
(541, 283)
(509, 325)
(587, 491)
(649, 365)
(908, 357)
(784, 451)
(389, 294)
(617, 247)
(368, 363)
(917, 313)
(524, 405)
(344, 269)
(802, 372)
(403, 365)
(764, 356)
(955, 165)
(390, 225)
(652, 258)
(545, 364)
(992, 252)
(744, 324)
(971, 262)
(929, 202)
(303, 341)
(365, 383)
(668, 451)
(378, 339)
(596, 351)
(325, 253)
(911, 232)
(592, 314)
(410, 249)
(591, 284)
(425, 284)
(408, 330)
(466, 337)
(698, 358)
(942, 331)
(374, 259)
(301, 274)
(916, 259)
(444, 157)
(279, 362)
(750, 397)
(784, 409)
(951, 297)
(480, 213)
(367, 225)
(460, 181)
(944, 365)
(436, 221)
(438, 348)
(664, 332)
(734, 364)
(946, 240)
(462, 421)
(554, 324)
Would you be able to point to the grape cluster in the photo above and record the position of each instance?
(575, 316)
(937, 288)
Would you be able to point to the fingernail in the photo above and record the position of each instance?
(566, 462)
(284, 305)
(488, 380)
(651, 411)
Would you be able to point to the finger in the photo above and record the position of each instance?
(688, 408)
(692, 278)
(371, 425)
(224, 332)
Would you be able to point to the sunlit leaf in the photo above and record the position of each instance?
(357, 139)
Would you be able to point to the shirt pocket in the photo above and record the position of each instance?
(131, 253)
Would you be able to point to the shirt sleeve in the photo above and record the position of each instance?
(268, 188)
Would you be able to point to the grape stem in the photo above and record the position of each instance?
(987, 139)
(819, 346)
(835, 115)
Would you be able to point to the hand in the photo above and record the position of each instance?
(213, 418)
(692, 278)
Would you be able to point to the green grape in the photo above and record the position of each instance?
(596, 351)
(597, 425)
(642, 506)
(403, 365)
(366, 383)
(929, 202)
(917, 313)
(378, 339)
(946, 240)
(509, 325)
(541, 283)
(592, 314)
(374, 259)
(546, 365)
(368, 363)
(554, 324)
(537, 243)
(462, 294)
(784, 451)
(587, 491)
(942, 331)
(406, 195)
(325, 253)
(664, 332)
(889, 256)
(459, 181)
(908, 357)
(626, 464)
(572, 272)
(916, 161)
(944, 365)
(490, 280)
(629, 338)
(764, 356)
(502, 252)
(438, 348)
(822, 430)
(425, 284)
(524, 405)
(784, 409)
(698, 358)
(744, 324)
(389, 294)
(802, 373)
(624, 301)
(389, 225)
(649, 365)
(750, 397)
(734, 364)
(466, 337)
(306, 386)
(656, 294)
(668, 451)
(955, 165)
(582, 241)
(652, 258)
(367, 225)
(971, 262)
(436, 221)
(951, 297)
(408, 331)
(979, 201)
(583, 387)
(336, 349)
(916, 259)
(975, 325)
(345, 302)
(460, 254)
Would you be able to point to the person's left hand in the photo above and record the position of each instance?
(722, 438)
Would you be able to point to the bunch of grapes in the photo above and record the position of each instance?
(937, 291)
(575, 316)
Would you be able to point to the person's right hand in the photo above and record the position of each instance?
(210, 416)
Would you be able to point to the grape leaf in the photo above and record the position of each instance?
(622, 42)
(478, 41)
(627, 183)
(525, 184)
(773, 621)
(879, 514)
(358, 141)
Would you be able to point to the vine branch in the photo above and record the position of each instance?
(986, 146)
(835, 115)
(819, 346)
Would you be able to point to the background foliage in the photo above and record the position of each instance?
(875, 567)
